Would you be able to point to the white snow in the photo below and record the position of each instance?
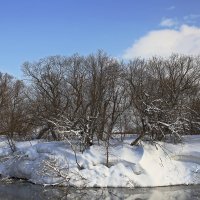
(146, 165)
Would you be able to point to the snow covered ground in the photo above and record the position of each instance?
(146, 165)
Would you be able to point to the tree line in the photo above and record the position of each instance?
(96, 96)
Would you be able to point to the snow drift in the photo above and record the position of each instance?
(146, 165)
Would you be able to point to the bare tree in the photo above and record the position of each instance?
(48, 94)
(157, 97)
(160, 91)
(14, 116)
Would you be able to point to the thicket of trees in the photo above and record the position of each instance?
(97, 95)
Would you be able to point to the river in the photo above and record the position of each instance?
(20, 190)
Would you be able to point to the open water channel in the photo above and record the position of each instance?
(20, 190)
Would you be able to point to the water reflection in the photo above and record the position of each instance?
(23, 190)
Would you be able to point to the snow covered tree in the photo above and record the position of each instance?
(160, 91)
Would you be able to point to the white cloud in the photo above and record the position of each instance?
(168, 22)
(191, 19)
(171, 8)
(164, 42)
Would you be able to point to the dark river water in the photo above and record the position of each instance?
(22, 190)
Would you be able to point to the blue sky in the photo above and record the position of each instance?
(32, 29)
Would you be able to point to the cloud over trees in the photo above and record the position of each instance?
(164, 42)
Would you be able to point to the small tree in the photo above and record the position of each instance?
(14, 115)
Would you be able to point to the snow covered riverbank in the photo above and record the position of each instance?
(146, 165)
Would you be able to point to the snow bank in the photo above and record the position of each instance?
(147, 165)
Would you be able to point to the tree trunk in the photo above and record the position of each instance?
(42, 132)
(137, 139)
